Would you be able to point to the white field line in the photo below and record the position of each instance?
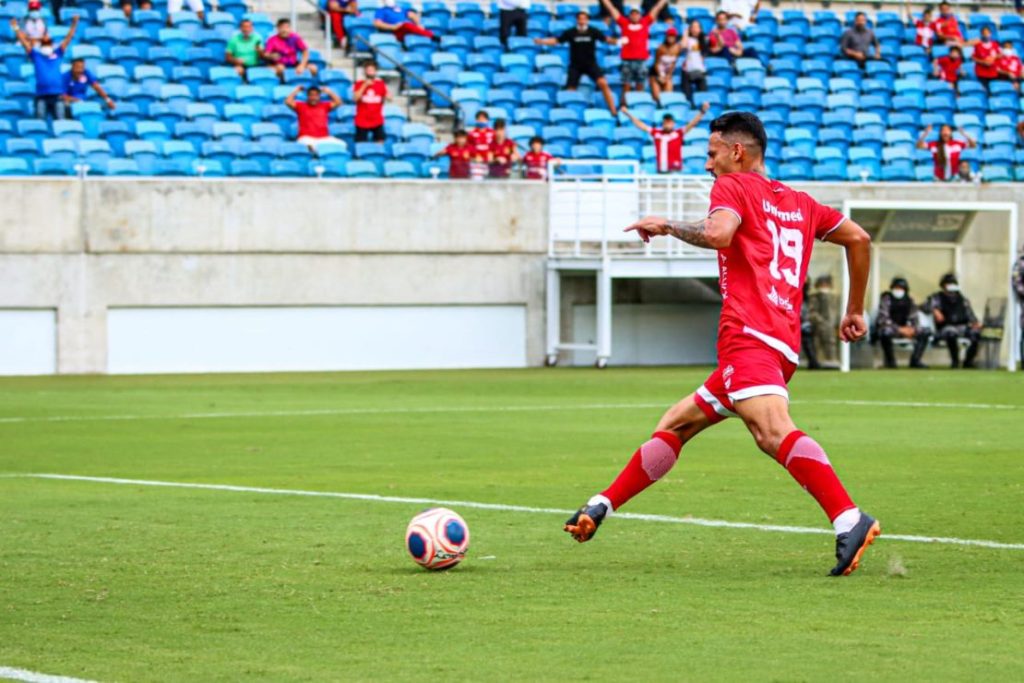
(10, 673)
(696, 521)
(320, 412)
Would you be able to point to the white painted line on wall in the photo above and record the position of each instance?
(13, 674)
(696, 521)
(328, 412)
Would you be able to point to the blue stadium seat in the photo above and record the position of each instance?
(361, 169)
(95, 153)
(59, 166)
(123, 167)
(153, 131)
(286, 168)
(55, 148)
(117, 133)
(400, 169)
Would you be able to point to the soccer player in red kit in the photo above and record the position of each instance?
(763, 232)
(668, 140)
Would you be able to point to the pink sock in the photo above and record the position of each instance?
(650, 463)
(806, 461)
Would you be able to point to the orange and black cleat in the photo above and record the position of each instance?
(584, 522)
(851, 545)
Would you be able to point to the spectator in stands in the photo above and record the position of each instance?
(46, 59)
(337, 10)
(986, 53)
(1018, 287)
(1009, 65)
(668, 140)
(859, 42)
(946, 150)
(402, 22)
(459, 154)
(694, 47)
(966, 174)
(924, 33)
(245, 49)
(724, 40)
(34, 25)
(664, 66)
(947, 68)
(287, 50)
(947, 28)
(504, 152)
(823, 308)
(898, 319)
(511, 18)
(955, 320)
(370, 94)
(636, 32)
(128, 8)
(175, 6)
(76, 86)
(314, 115)
(583, 39)
(481, 135)
(536, 161)
(740, 13)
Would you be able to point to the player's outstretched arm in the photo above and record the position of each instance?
(857, 244)
(714, 232)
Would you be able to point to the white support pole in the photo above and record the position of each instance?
(1011, 308)
(554, 312)
(604, 314)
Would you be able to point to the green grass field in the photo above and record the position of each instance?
(137, 583)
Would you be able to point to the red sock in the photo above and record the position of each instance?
(649, 464)
(806, 461)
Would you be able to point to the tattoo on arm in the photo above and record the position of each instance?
(691, 233)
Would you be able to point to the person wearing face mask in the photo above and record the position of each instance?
(34, 24)
(955, 319)
(46, 59)
(1018, 288)
(823, 307)
(1009, 66)
(897, 319)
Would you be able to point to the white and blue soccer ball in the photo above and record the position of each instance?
(437, 538)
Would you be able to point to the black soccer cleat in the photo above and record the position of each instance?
(584, 522)
(851, 545)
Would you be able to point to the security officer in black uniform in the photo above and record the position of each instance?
(955, 319)
(898, 319)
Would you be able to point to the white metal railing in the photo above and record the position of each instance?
(591, 202)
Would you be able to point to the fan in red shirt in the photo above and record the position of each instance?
(1009, 65)
(947, 67)
(370, 95)
(668, 140)
(536, 160)
(763, 232)
(504, 152)
(986, 52)
(924, 33)
(482, 135)
(634, 48)
(946, 27)
(314, 115)
(459, 154)
(946, 150)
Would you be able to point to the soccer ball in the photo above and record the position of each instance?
(437, 538)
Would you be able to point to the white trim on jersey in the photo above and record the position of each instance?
(833, 229)
(777, 344)
(760, 390)
(725, 208)
(714, 402)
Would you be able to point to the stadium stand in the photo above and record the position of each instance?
(182, 110)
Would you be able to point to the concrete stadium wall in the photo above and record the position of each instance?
(72, 251)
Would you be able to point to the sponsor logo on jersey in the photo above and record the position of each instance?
(784, 216)
(782, 302)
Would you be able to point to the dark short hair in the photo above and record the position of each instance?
(245, 20)
(535, 139)
(313, 88)
(581, 13)
(720, 12)
(369, 62)
(459, 133)
(742, 123)
(858, 15)
(499, 123)
(78, 59)
(483, 113)
(948, 279)
(282, 21)
(668, 117)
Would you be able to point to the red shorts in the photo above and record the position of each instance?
(746, 368)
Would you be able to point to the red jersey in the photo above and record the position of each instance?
(459, 157)
(945, 171)
(986, 50)
(480, 140)
(668, 149)
(925, 34)
(947, 27)
(1010, 64)
(949, 68)
(370, 109)
(635, 37)
(537, 164)
(501, 157)
(761, 274)
(313, 120)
